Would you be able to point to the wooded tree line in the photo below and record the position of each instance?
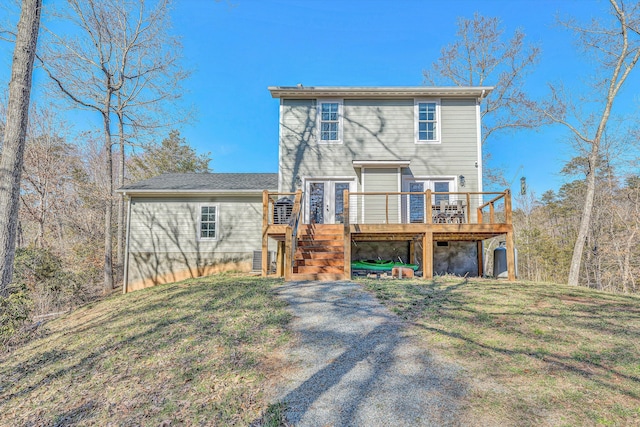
(546, 229)
(118, 60)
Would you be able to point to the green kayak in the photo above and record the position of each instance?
(380, 265)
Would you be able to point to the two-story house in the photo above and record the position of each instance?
(406, 162)
(363, 173)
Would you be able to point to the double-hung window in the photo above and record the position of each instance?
(330, 121)
(208, 222)
(427, 121)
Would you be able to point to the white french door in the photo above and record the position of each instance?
(324, 200)
(414, 205)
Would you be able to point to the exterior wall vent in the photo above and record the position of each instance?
(256, 264)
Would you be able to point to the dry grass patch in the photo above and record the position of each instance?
(192, 353)
(542, 354)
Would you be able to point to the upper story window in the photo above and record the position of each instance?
(427, 121)
(208, 223)
(330, 121)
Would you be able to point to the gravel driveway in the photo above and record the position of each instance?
(357, 366)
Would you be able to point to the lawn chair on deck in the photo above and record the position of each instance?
(458, 216)
(442, 217)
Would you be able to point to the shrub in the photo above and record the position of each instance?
(15, 312)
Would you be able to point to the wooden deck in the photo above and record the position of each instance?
(302, 246)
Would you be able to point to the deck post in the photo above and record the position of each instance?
(468, 208)
(387, 208)
(280, 259)
(346, 236)
(265, 236)
(412, 252)
(427, 255)
(511, 271)
(288, 255)
(428, 209)
(480, 258)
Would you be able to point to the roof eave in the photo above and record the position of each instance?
(379, 92)
(185, 192)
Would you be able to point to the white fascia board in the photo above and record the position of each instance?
(192, 192)
(478, 92)
(381, 163)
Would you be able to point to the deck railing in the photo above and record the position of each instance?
(413, 208)
(398, 208)
(291, 235)
(277, 207)
(499, 209)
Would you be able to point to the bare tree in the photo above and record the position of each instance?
(113, 43)
(46, 172)
(483, 56)
(147, 102)
(615, 47)
(11, 158)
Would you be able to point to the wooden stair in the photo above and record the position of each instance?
(320, 252)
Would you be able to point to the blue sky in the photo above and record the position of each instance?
(239, 47)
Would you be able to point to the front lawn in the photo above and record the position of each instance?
(539, 354)
(198, 352)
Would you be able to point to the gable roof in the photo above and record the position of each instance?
(301, 91)
(205, 183)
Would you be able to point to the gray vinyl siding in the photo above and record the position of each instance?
(172, 224)
(378, 130)
(374, 206)
(164, 234)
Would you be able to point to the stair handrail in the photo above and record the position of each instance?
(291, 237)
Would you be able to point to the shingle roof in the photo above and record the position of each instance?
(205, 182)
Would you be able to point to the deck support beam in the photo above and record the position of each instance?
(511, 259)
(265, 234)
(280, 259)
(346, 236)
(427, 255)
(288, 255)
(412, 252)
(511, 271)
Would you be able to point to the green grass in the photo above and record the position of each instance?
(198, 352)
(539, 354)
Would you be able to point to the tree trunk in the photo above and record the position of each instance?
(108, 212)
(585, 220)
(12, 155)
(121, 213)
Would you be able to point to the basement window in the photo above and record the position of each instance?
(445, 244)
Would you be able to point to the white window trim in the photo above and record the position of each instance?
(416, 133)
(319, 103)
(431, 178)
(428, 182)
(217, 229)
(307, 180)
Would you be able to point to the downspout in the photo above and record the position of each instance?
(125, 281)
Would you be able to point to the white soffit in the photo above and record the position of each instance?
(379, 92)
